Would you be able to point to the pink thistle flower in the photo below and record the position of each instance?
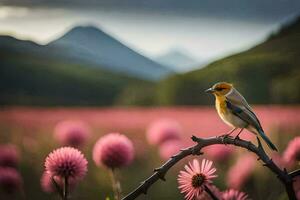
(47, 183)
(10, 179)
(48, 186)
(170, 148)
(278, 160)
(113, 150)
(240, 172)
(72, 133)
(292, 152)
(232, 194)
(219, 152)
(192, 182)
(66, 162)
(9, 156)
(163, 130)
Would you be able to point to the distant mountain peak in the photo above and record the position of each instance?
(178, 60)
(86, 29)
(83, 31)
(93, 45)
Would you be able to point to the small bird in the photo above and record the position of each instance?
(234, 110)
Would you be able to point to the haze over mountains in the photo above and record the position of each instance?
(178, 60)
(88, 67)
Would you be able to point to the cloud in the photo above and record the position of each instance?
(12, 11)
(230, 9)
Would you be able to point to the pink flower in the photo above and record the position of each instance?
(10, 179)
(219, 152)
(278, 160)
(163, 130)
(48, 185)
(66, 162)
(232, 194)
(113, 150)
(296, 185)
(292, 152)
(239, 173)
(9, 156)
(192, 182)
(72, 133)
(170, 148)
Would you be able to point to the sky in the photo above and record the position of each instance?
(205, 29)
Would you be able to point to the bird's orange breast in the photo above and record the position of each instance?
(221, 105)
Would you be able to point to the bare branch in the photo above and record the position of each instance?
(295, 173)
(160, 172)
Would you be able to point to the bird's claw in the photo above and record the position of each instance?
(224, 136)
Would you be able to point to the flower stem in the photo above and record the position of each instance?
(66, 186)
(211, 194)
(115, 184)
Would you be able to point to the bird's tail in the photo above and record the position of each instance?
(267, 140)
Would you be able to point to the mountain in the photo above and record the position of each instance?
(91, 45)
(32, 74)
(266, 73)
(177, 60)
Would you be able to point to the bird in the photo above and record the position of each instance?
(234, 110)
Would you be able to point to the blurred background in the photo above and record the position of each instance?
(125, 65)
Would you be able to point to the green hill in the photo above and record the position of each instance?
(266, 73)
(29, 78)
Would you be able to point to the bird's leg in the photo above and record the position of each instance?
(237, 137)
(228, 134)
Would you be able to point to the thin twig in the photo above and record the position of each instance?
(159, 173)
(211, 194)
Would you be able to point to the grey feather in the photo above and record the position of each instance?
(238, 105)
(244, 114)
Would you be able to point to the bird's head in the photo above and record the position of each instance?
(220, 89)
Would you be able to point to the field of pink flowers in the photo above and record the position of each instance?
(36, 132)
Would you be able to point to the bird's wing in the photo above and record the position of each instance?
(238, 105)
(236, 98)
(244, 114)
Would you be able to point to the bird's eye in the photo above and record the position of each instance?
(219, 89)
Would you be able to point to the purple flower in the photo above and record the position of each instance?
(72, 133)
(195, 177)
(9, 156)
(66, 162)
(113, 151)
(10, 179)
(292, 152)
(170, 148)
(232, 194)
(240, 172)
(48, 185)
(163, 130)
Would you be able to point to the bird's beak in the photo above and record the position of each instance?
(210, 90)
